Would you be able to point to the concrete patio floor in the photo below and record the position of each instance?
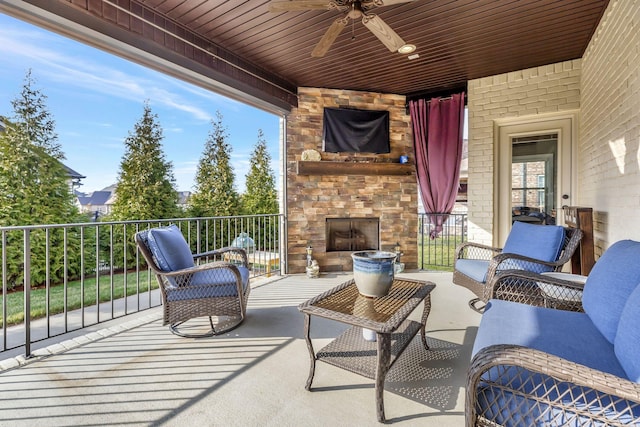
(138, 373)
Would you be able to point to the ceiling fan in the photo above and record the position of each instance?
(354, 9)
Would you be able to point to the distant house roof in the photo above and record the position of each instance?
(97, 198)
(71, 173)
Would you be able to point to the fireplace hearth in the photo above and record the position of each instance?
(352, 234)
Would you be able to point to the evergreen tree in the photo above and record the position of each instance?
(260, 196)
(146, 185)
(34, 190)
(33, 181)
(214, 192)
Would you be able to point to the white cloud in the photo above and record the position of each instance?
(174, 129)
(75, 71)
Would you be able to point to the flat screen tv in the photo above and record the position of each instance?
(347, 130)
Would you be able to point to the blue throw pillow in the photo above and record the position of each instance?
(613, 277)
(170, 250)
(543, 242)
(627, 342)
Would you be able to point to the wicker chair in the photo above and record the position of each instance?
(541, 366)
(475, 265)
(211, 289)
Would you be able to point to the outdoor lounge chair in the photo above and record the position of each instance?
(542, 366)
(189, 290)
(537, 248)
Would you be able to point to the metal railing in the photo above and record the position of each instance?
(60, 278)
(438, 236)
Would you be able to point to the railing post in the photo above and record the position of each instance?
(27, 293)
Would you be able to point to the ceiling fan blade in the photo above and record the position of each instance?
(329, 37)
(288, 5)
(383, 32)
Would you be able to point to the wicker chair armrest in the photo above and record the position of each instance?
(502, 260)
(525, 287)
(504, 257)
(470, 250)
(507, 275)
(182, 277)
(558, 369)
(235, 253)
(199, 268)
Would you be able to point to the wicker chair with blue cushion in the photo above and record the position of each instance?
(192, 288)
(540, 366)
(536, 248)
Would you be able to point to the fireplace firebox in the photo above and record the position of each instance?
(352, 234)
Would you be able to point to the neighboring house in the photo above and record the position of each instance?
(183, 199)
(97, 203)
(73, 178)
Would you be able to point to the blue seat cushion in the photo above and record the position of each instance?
(566, 334)
(473, 268)
(169, 248)
(542, 242)
(612, 280)
(627, 342)
(219, 282)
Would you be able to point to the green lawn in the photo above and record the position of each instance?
(74, 295)
(437, 254)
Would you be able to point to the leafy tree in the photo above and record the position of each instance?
(260, 196)
(34, 189)
(214, 192)
(146, 185)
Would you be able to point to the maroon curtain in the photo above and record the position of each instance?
(437, 140)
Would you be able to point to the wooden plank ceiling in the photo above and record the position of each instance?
(457, 40)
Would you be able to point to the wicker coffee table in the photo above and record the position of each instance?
(387, 316)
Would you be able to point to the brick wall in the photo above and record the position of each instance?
(545, 89)
(311, 198)
(609, 152)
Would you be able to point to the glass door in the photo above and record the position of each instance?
(533, 179)
(533, 170)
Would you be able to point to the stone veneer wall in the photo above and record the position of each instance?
(312, 198)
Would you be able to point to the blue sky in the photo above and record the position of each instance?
(96, 98)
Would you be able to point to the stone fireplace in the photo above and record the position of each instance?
(374, 188)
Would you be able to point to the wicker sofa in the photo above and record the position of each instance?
(535, 365)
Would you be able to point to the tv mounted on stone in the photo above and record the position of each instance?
(350, 130)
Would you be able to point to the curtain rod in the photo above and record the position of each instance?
(443, 98)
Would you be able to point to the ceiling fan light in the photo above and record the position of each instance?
(407, 48)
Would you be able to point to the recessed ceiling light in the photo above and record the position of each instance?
(407, 48)
(414, 56)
